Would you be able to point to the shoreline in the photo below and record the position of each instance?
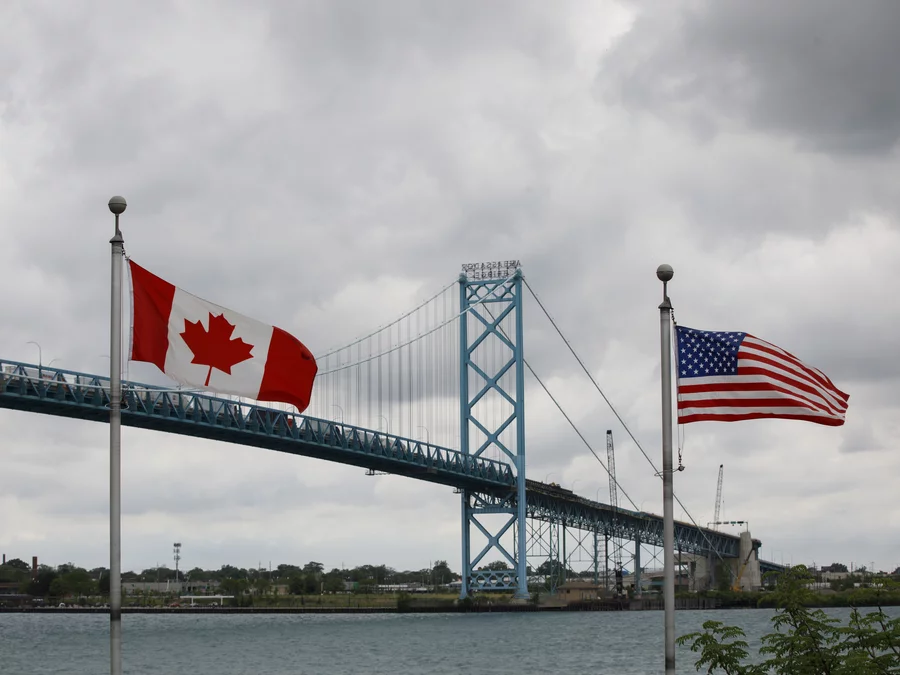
(437, 609)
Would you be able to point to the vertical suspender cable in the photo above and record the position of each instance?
(409, 379)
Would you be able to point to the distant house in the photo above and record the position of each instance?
(578, 591)
(833, 576)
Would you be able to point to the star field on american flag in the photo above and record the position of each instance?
(705, 352)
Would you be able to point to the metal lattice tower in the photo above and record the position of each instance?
(492, 418)
(718, 499)
(176, 550)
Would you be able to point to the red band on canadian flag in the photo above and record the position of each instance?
(202, 345)
(151, 299)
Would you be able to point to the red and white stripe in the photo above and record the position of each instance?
(280, 367)
(770, 382)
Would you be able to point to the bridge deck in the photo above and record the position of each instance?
(82, 396)
(77, 395)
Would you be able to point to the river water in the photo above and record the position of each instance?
(617, 643)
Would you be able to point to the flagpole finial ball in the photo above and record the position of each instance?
(665, 273)
(117, 204)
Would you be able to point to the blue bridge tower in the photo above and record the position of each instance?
(492, 420)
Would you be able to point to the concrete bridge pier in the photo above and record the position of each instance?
(743, 570)
(747, 565)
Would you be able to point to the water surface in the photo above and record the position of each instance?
(617, 643)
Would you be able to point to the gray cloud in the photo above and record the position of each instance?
(819, 72)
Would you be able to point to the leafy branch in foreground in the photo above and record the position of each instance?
(721, 647)
(805, 641)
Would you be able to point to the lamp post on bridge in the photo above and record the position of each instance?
(335, 405)
(52, 361)
(427, 438)
(387, 423)
(40, 357)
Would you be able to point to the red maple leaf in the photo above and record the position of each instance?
(215, 348)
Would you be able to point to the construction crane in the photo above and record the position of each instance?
(718, 499)
(614, 502)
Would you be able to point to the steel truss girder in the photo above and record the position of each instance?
(585, 514)
(542, 552)
(583, 543)
(72, 394)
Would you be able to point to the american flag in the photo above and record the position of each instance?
(728, 376)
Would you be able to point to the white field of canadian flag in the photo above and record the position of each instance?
(205, 346)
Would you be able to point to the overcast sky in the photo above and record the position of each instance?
(324, 166)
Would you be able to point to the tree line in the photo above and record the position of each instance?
(69, 579)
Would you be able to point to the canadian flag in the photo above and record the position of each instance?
(209, 347)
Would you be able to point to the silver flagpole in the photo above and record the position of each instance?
(117, 206)
(665, 273)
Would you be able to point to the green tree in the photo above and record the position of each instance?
(40, 587)
(197, 574)
(441, 573)
(311, 584)
(10, 574)
(722, 648)
(313, 567)
(232, 572)
(334, 582)
(498, 565)
(76, 582)
(287, 571)
(805, 642)
(235, 587)
(262, 585)
(18, 564)
(297, 584)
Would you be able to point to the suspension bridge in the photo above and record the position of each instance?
(437, 395)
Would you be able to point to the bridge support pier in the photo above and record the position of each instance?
(638, 591)
(492, 420)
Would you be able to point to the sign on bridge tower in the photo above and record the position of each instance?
(492, 422)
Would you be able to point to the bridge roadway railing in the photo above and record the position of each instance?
(67, 393)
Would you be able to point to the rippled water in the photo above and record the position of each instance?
(617, 643)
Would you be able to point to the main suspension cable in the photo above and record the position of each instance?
(387, 325)
(410, 340)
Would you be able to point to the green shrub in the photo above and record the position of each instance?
(806, 641)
